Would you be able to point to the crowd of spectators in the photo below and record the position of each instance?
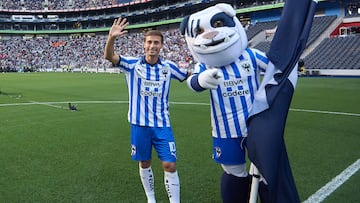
(48, 53)
(80, 4)
(56, 4)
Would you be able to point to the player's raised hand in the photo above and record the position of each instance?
(118, 27)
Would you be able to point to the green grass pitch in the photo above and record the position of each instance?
(51, 154)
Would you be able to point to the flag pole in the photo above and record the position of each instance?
(254, 184)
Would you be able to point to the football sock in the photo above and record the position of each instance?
(172, 186)
(147, 180)
(235, 189)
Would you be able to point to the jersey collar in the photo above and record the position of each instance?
(143, 61)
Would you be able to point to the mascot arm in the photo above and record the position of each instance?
(261, 60)
(208, 79)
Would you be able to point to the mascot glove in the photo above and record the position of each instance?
(209, 79)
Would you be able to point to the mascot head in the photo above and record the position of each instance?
(214, 35)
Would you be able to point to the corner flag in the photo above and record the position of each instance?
(266, 125)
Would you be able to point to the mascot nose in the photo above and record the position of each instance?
(210, 35)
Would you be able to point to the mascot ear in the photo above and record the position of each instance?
(184, 24)
(226, 8)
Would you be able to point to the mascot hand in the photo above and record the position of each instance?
(209, 79)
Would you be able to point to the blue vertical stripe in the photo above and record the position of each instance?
(163, 116)
(131, 97)
(236, 70)
(225, 73)
(235, 116)
(157, 70)
(216, 121)
(138, 106)
(251, 88)
(222, 105)
(154, 110)
(253, 61)
(244, 105)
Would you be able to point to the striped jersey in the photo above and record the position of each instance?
(148, 88)
(231, 102)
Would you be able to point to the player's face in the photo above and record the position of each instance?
(152, 45)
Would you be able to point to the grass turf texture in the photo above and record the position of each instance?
(50, 154)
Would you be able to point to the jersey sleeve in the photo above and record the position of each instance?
(262, 60)
(176, 72)
(126, 63)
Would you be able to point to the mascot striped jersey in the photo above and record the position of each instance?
(226, 66)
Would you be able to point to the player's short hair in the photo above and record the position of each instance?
(154, 33)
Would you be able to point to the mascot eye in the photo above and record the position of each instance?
(218, 23)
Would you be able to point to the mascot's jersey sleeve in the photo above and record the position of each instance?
(231, 102)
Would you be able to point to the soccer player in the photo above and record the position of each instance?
(148, 81)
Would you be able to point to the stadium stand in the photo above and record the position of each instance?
(44, 35)
(263, 46)
(335, 53)
(255, 29)
(320, 24)
(56, 4)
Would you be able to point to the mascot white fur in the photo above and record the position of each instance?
(240, 105)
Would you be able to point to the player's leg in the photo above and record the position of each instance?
(171, 181)
(164, 144)
(235, 187)
(141, 151)
(235, 181)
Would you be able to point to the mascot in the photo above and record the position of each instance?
(229, 69)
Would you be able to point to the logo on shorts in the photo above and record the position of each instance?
(133, 150)
(218, 152)
(172, 148)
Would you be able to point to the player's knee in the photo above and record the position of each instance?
(235, 170)
(169, 166)
(145, 164)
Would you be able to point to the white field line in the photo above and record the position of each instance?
(182, 103)
(53, 104)
(326, 112)
(317, 197)
(47, 104)
(336, 182)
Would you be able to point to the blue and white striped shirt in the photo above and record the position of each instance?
(148, 87)
(231, 102)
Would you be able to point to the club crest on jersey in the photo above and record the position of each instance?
(246, 66)
(165, 72)
(133, 150)
(218, 152)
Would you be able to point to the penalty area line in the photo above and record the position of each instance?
(336, 182)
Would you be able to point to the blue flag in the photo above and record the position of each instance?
(265, 142)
